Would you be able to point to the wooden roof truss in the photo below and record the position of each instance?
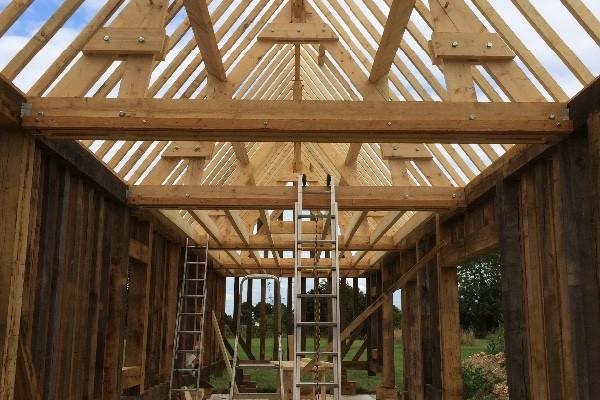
(304, 56)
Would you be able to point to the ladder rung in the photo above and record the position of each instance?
(310, 384)
(316, 267)
(257, 365)
(332, 241)
(314, 323)
(189, 313)
(315, 295)
(274, 396)
(193, 279)
(193, 296)
(316, 192)
(189, 332)
(185, 369)
(316, 216)
(196, 262)
(188, 351)
(310, 353)
(186, 389)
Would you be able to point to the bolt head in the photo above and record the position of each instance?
(265, 123)
(40, 114)
(122, 113)
(472, 117)
(187, 195)
(106, 38)
(144, 121)
(489, 45)
(552, 117)
(453, 195)
(455, 44)
(389, 123)
(141, 39)
(406, 196)
(176, 147)
(558, 124)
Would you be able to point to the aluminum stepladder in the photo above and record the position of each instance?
(189, 326)
(326, 241)
(254, 364)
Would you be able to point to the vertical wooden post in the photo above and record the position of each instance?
(276, 321)
(387, 389)
(411, 331)
(250, 321)
(16, 171)
(236, 301)
(512, 289)
(449, 326)
(114, 342)
(355, 298)
(171, 312)
(261, 322)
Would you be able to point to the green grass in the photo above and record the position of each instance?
(366, 384)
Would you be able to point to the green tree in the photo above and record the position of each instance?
(479, 288)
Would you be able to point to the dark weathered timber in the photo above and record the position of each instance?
(512, 289)
(81, 160)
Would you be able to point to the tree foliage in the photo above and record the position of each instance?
(480, 292)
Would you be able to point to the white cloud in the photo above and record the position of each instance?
(11, 44)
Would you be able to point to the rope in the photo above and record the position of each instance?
(317, 312)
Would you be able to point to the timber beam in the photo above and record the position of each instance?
(282, 242)
(11, 100)
(357, 198)
(317, 121)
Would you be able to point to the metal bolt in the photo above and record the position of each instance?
(455, 44)
(265, 123)
(144, 121)
(176, 147)
(389, 123)
(40, 114)
(37, 119)
(106, 38)
(558, 124)
(489, 45)
(122, 113)
(272, 30)
(453, 195)
(197, 148)
(187, 195)
(406, 196)
(552, 117)
(472, 117)
(141, 39)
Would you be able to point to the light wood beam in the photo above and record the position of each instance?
(284, 197)
(395, 26)
(319, 121)
(204, 33)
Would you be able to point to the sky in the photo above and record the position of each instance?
(555, 13)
